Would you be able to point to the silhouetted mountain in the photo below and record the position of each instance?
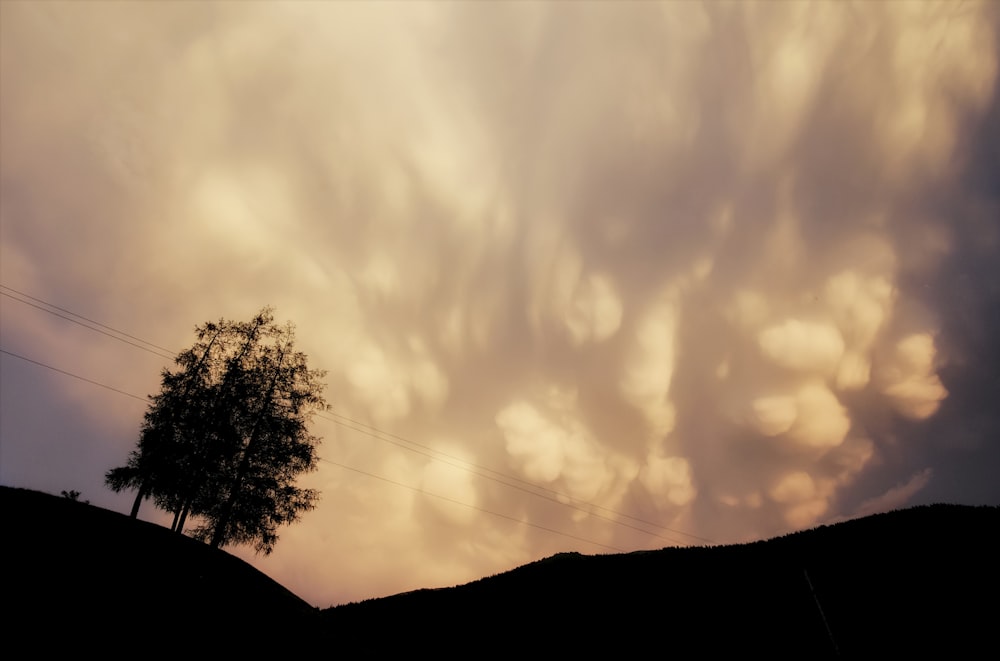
(79, 578)
(915, 580)
(924, 580)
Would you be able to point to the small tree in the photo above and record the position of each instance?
(227, 435)
(73, 495)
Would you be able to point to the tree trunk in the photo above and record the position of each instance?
(184, 516)
(138, 501)
(177, 515)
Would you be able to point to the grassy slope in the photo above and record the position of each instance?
(81, 577)
(921, 580)
(918, 580)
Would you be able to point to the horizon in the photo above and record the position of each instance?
(584, 277)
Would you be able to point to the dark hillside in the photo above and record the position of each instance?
(909, 581)
(78, 577)
(925, 580)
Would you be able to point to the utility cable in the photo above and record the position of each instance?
(465, 465)
(51, 305)
(156, 351)
(394, 439)
(569, 504)
(75, 376)
(480, 509)
(344, 466)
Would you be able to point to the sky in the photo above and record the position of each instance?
(590, 277)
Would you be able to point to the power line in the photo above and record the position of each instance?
(51, 305)
(357, 470)
(571, 504)
(508, 476)
(480, 509)
(399, 441)
(158, 351)
(75, 376)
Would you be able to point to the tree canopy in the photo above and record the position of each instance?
(227, 435)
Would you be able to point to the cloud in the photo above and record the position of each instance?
(802, 346)
(822, 421)
(596, 311)
(454, 485)
(534, 442)
(804, 497)
(668, 481)
(723, 268)
(548, 444)
(908, 377)
(650, 365)
(774, 414)
(896, 497)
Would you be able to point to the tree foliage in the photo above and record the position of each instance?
(227, 435)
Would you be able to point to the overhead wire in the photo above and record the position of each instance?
(568, 502)
(334, 463)
(75, 376)
(151, 348)
(479, 509)
(531, 488)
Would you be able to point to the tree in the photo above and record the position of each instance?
(73, 495)
(227, 435)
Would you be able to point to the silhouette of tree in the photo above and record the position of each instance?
(226, 436)
(73, 495)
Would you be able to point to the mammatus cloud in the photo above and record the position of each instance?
(908, 377)
(660, 264)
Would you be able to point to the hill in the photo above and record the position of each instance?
(925, 579)
(909, 581)
(78, 577)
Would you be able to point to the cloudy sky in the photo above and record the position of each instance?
(584, 276)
